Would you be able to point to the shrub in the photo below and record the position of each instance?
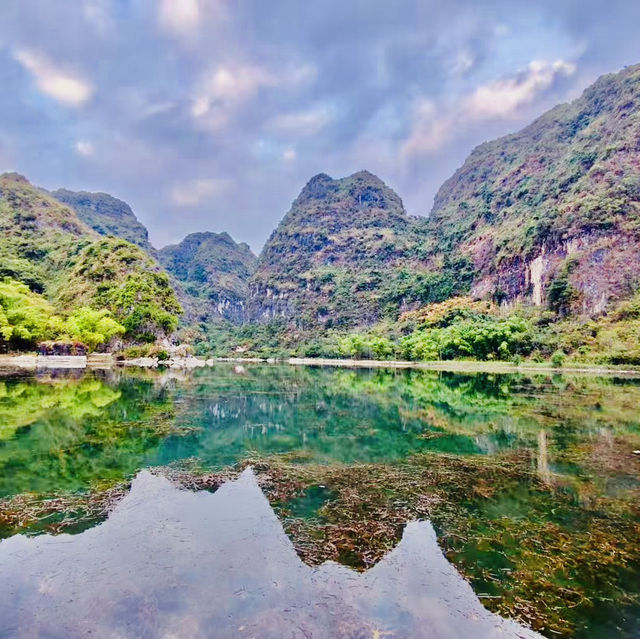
(366, 346)
(558, 358)
(480, 337)
(25, 317)
(92, 327)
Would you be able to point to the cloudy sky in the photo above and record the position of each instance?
(212, 114)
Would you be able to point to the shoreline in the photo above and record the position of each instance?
(107, 361)
(471, 366)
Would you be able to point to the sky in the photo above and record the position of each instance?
(211, 115)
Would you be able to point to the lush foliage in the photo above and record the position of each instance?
(569, 183)
(26, 318)
(45, 246)
(346, 255)
(114, 274)
(91, 327)
(367, 346)
(479, 338)
(106, 215)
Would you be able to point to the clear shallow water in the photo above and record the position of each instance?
(70, 432)
(171, 563)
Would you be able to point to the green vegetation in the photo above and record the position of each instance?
(107, 215)
(568, 184)
(68, 268)
(117, 275)
(91, 327)
(459, 328)
(213, 273)
(346, 255)
(26, 318)
(549, 215)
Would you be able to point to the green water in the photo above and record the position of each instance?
(63, 433)
(68, 432)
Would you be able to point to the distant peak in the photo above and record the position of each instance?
(321, 177)
(199, 237)
(367, 175)
(14, 177)
(318, 187)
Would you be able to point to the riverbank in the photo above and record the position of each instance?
(105, 360)
(469, 366)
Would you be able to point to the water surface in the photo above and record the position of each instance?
(170, 563)
(568, 441)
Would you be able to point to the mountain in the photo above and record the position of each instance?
(45, 245)
(107, 215)
(213, 271)
(345, 254)
(36, 233)
(551, 215)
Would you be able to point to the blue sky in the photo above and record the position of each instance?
(212, 114)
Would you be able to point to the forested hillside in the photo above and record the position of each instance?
(56, 264)
(347, 254)
(213, 271)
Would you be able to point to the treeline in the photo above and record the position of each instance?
(463, 329)
(459, 328)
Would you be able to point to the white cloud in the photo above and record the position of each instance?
(227, 87)
(303, 122)
(237, 84)
(289, 154)
(505, 96)
(431, 130)
(179, 17)
(55, 82)
(98, 13)
(434, 126)
(84, 148)
(194, 192)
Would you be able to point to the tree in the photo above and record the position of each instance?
(25, 316)
(92, 327)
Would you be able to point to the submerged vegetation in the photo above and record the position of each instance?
(530, 480)
(534, 548)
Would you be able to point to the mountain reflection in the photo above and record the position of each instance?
(172, 563)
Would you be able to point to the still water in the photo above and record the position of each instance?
(554, 540)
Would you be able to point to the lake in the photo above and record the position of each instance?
(273, 500)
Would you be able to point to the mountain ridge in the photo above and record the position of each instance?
(107, 215)
(554, 197)
(213, 271)
(345, 249)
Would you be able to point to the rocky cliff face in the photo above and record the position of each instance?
(107, 215)
(343, 255)
(551, 215)
(213, 272)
